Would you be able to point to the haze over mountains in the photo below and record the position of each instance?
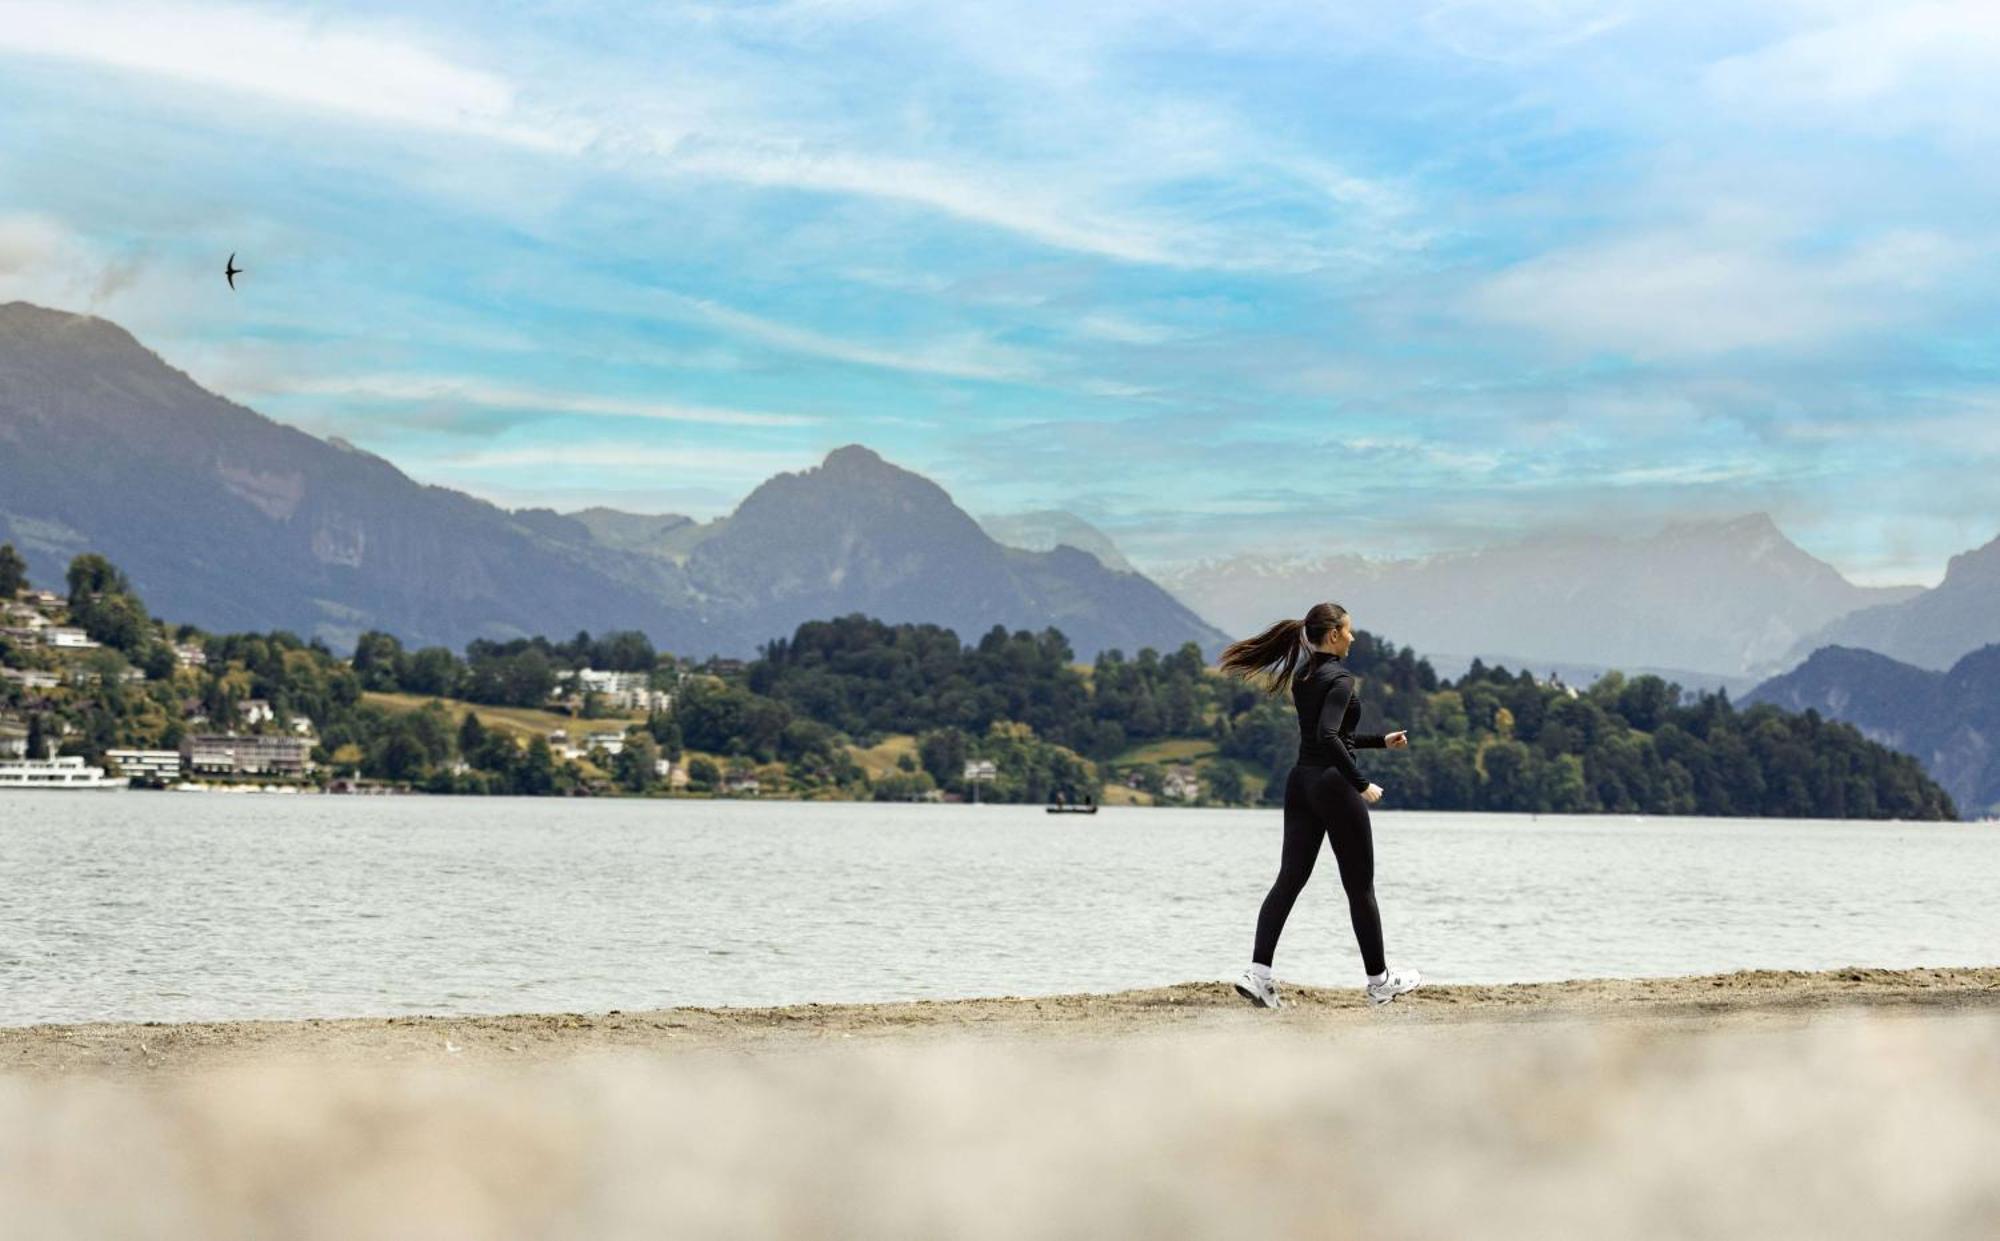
(1725, 601)
(230, 520)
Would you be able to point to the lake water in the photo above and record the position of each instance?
(136, 906)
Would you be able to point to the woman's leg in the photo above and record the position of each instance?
(1303, 831)
(1345, 817)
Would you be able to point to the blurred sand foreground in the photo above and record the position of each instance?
(1771, 1105)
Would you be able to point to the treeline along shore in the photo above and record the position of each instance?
(855, 708)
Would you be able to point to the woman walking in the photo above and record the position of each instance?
(1326, 796)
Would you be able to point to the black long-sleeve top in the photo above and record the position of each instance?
(1326, 696)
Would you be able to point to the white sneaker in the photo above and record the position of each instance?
(1263, 992)
(1394, 985)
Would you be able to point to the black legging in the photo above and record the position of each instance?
(1319, 802)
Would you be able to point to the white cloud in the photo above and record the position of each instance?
(1878, 66)
(1686, 295)
(373, 72)
(43, 260)
(471, 391)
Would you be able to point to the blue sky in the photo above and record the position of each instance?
(1246, 277)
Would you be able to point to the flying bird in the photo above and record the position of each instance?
(230, 270)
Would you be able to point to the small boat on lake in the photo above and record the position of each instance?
(1060, 806)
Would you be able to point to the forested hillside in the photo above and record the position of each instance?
(856, 708)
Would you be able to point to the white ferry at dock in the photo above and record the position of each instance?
(67, 772)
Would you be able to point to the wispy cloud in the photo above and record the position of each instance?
(471, 391)
(622, 457)
(967, 356)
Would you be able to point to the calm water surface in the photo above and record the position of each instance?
(163, 906)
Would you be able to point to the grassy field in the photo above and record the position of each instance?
(880, 759)
(522, 721)
(1169, 750)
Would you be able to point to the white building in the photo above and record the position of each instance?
(30, 678)
(146, 764)
(623, 691)
(609, 742)
(65, 636)
(256, 711)
(229, 754)
(188, 655)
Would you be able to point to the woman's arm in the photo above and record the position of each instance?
(1369, 741)
(1331, 712)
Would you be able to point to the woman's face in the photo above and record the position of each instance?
(1338, 640)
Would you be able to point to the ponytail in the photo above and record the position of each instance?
(1273, 656)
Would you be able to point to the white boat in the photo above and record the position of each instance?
(66, 772)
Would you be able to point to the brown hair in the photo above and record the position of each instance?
(1273, 656)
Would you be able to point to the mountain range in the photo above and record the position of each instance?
(229, 520)
(1949, 720)
(1706, 602)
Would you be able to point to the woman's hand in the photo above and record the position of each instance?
(1372, 794)
(1398, 740)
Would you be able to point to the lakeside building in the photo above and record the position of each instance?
(610, 742)
(146, 764)
(13, 741)
(227, 754)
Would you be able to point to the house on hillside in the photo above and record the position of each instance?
(622, 691)
(1180, 783)
(188, 655)
(256, 711)
(30, 678)
(67, 638)
(609, 742)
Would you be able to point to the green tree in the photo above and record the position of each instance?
(633, 767)
(13, 572)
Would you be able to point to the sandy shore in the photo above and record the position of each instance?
(1773, 1105)
(1754, 995)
